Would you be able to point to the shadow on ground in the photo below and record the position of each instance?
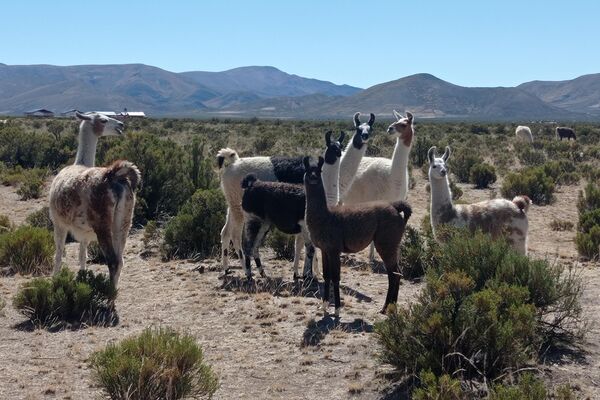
(317, 330)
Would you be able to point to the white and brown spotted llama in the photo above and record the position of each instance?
(498, 217)
(94, 203)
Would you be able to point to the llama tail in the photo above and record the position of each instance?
(226, 156)
(523, 202)
(124, 172)
(403, 208)
(248, 181)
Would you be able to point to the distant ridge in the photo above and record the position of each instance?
(265, 91)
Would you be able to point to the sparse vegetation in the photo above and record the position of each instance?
(282, 244)
(482, 175)
(588, 228)
(27, 250)
(160, 363)
(40, 219)
(65, 298)
(532, 182)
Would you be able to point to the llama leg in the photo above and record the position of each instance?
(326, 280)
(309, 251)
(335, 265)
(83, 246)
(390, 261)
(298, 242)
(225, 241)
(249, 233)
(60, 235)
(372, 253)
(260, 238)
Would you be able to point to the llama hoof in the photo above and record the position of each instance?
(337, 312)
(262, 273)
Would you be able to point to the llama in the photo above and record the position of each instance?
(354, 153)
(379, 178)
(350, 229)
(524, 133)
(283, 205)
(94, 203)
(564, 132)
(498, 217)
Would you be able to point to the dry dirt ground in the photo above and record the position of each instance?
(267, 341)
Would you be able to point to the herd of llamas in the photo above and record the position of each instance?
(341, 203)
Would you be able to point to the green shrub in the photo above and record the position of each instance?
(157, 364)
(531, 157)
(532, 182)
(65, 298)
(415, 253)
(485, 310)
(528, 388)
(40, 219)
(151, 234)
(562, 172)
(27, 250)
(588, 228)
(195, 230)
(434, 388)
(5, 224)
(282, 244)
(419, 150)
(462, 162)
(455, 190)
(31, 186)
(482, 175)
(95, 254)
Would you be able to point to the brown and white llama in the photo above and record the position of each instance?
(350, 229)
(94, 203)
(498, 217)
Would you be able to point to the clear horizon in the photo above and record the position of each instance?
(345, 42)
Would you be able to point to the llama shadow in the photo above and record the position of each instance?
(275, 286)
(360, 297)
(564, 353)
(401, 390)
(317, 330)
(104, 318)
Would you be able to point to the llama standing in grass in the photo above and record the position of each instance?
(379, 178)
(94, 203)
(282, 205)
(524, 133)
(498, 217)
(354, 153)
(564, 132)
(350, 229)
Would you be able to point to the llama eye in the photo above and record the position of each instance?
(435, 166)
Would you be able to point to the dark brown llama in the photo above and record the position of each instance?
(350, 229)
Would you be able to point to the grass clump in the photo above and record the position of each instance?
(157, 364)
(588, 228)
(195, 230)
(31, 185)
(484, 311)
(482, 175)
(533, 182)
(40, 219)
(462, 162)
(561, 225)
(435, 388)
(416, 253)
(282, 244)
(27, 250)
(65, 298)
(5, 224)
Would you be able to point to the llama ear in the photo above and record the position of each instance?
(371, 120)
(82, 116)
(328, 138)
(342, 137)
(306, 161)
(409, 116)
(321, 162)
(431, 154)
(397, 115)
(447, 154)
(356, 119)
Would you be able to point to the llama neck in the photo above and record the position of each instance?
(316, 202)
(349, 165)
(331, 179)
(441, 197)
(86, 150)
(399, 169)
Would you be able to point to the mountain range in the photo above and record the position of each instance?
(269, 92)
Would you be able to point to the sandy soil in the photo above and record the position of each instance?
(266, 341)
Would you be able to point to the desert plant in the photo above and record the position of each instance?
(157, 364)
(462, 162)
(561, 225)
(415, 253)
(195, 230)
(282, 245)
(27, 250)
(31, 186)
(588, 227)
(531, 157)
(5, 224)
(65, 298)
(434, 388)
(482, 175)
(151, 234)
(485, 310)
(40, 219)
(532, 182)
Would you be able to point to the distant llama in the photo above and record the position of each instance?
(562, 132)
(498, 217)
(524, 133)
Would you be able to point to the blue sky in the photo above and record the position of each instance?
(470, 43)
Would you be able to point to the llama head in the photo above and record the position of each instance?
(363, 130)
(312, 171)
(438, 168)
(101, 124)
(402, 128)
(333, 151)
(226, 157)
